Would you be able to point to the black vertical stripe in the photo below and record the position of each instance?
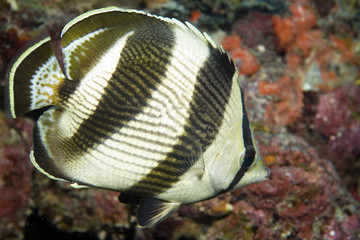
(249, 149)
(131, 78)
(198, 131)
(41, 154)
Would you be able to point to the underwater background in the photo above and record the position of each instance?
(299, 66)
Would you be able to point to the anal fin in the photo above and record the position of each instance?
(41, 157)
(152, 211)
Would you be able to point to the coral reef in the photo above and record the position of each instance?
(78, 210)
(289, 106)
(15, 175)
(299, 67)
(302, 200)
(319, 61)
(223, 13)
(244, 60)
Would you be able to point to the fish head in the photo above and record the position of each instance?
(235, 164)
(224, 166)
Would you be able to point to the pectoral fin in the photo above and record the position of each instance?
(152, 211)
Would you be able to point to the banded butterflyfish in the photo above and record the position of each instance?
(141, 104)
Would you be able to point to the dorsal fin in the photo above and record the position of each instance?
(108, 24)
(32, 78)
(87, 37)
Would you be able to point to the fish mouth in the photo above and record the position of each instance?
(263, 170)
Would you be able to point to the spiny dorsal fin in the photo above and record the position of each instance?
(152, 211)
(87, 37)
(206, 39)
(79, 36)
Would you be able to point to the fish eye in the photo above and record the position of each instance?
(241, 158)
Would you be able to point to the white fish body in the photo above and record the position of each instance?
(145, 105)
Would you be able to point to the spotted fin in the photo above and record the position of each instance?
(32, 79)
(152, 211)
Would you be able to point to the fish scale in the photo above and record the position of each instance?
(147, 106)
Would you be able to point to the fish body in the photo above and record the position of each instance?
(141, 104)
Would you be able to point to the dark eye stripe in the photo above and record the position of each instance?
(249, 149)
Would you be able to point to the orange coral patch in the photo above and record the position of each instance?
(195, 15)
(267, 88)
(303, 16)
(346, 47)
(249, 65)
(284, 29)
(306, 41)
(293, 62)
(290, 95)
(231, 42)
(269, 159)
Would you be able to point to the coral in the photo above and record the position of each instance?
(346, 142)
(79, 210)
(11, 38)
(15, 175)
(323, 7)
(300, 199)
(174, 9)
(297, 37)
(221, 14)
(316, 60)
(303, 199)
(152, 3)
(332, 112)
(288, 108)
(346, 46)
(244, 60)
(337, 117)
(195, 15)
(299, 70)
(255, 29)
(288, 29)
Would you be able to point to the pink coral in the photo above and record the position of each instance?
(336, 119)
(15, 174)
(303, 192)
(331, 112)
(347, 140)
(256, 29)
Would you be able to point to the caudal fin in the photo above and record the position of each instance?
(32, 79)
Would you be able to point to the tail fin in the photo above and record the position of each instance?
(32, 79)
